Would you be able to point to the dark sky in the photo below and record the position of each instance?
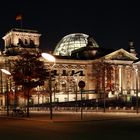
(111, 23)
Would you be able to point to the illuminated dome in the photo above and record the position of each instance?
(70, 43)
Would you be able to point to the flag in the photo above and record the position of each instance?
(19, 17)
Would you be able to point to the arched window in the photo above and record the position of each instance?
(26, 42)
(20, 42)
(32, 43)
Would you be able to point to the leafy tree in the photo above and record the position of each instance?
(103, 76)
(29, 72)
(103, 79)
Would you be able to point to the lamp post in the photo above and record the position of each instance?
(7, 89)
(76, 87)
(50, 59)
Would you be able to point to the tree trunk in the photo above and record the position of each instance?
(28, 98)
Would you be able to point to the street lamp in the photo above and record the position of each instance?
(76, 87)
(7, 90)
(76, 90)
(50, 59)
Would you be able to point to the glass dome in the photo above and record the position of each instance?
(71, 42)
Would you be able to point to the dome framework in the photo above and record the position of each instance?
(70, 43)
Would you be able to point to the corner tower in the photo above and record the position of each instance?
(131, 48)
(17, 40)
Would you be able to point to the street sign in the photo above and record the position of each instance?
(81, 84)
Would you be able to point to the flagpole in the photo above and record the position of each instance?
(21, 23)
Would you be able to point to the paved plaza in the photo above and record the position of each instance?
(69, 126)
(59, 116)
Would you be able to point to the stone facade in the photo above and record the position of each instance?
(113, 74)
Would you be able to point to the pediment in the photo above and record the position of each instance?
(121, 54)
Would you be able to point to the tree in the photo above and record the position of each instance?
(29, 72)
(103, 76)
(103, 79)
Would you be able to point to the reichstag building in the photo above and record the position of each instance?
(106, 73)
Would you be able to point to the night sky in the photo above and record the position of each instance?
(111, 23)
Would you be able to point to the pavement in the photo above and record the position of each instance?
(73, 116)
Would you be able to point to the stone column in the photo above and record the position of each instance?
(120, 78)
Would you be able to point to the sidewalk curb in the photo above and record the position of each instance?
(67, 121)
